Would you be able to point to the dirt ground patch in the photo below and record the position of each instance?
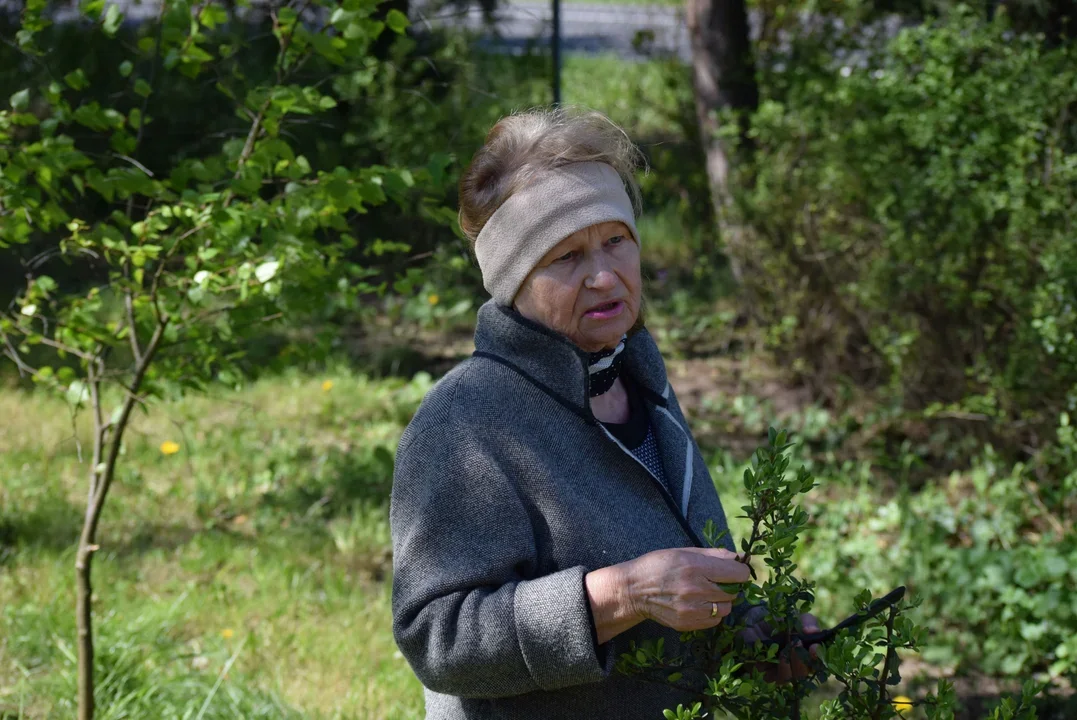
(706, 386)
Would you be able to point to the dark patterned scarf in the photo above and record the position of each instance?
(604, 366)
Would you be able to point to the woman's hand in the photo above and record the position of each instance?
(793, 662)
(679, 587)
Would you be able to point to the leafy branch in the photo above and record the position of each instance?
(737, 662)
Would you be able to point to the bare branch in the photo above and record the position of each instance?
(129, 308)
(94, 382)
(64, 347)
(16, 358)
(121, 423)
(136, 163)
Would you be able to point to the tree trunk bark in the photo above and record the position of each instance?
(107, 437)
(723, 73)
(84, 627)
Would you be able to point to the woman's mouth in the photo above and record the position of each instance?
(606, 310)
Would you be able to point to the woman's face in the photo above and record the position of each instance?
(587, 287)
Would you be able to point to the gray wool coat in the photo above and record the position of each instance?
(506, 492)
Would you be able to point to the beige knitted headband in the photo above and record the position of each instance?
(535, 218)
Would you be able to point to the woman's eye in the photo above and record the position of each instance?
(616, 239)
(567, 256)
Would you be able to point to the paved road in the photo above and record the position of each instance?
(592, 28)
(634, 32)
(622, 29)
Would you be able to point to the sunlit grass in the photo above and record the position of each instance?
(261, 544)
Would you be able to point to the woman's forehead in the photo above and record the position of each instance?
(602, 230)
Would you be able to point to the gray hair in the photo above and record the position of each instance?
(529, 142)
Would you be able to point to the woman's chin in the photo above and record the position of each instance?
(602, 334)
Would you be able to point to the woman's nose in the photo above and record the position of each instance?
(601, 279)
(599, 275)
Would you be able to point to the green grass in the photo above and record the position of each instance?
(263, 542)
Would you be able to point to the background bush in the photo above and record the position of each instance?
(913, 226)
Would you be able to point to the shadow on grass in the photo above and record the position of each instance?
(403, 360)
(342, 480)
(52, 525)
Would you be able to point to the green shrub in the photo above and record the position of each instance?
(913, 224)
(996, 573)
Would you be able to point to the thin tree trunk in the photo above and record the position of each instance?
(101, 475)
(723, 73)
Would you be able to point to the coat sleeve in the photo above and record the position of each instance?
(469, 614)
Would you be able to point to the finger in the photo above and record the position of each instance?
(702, 619)
(750, 638)
(720, 595)
(784, 672)
(797, 665)
(720, 553)
(727, 571)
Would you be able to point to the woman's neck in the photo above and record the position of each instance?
(612, 405)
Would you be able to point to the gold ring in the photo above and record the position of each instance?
(714, 609)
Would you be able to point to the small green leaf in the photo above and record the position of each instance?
(77, 392)
(76, 80)
(20, 100)
(212, 16)
(397, 21)
(125, 68)
(266, 271)
(113, 18)
(142, 88)
(28, 310)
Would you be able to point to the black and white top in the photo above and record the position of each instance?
(637, 434)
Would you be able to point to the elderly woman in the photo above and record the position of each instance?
(549, 498)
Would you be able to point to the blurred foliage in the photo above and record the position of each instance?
(424, 103)
(912, 216)
(994, 566)
(188, 113)
(990, 555)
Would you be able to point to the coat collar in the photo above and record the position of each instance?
(555, 363)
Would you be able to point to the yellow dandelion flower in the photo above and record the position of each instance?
(902, 704)
(169, 448)
(227, 633)
(327, 386)
(433, 299)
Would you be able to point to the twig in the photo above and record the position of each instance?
(1053, 521)
(129, 307)
(63, 347)
(136, 163)
(881, 702)
(98, 426)
(16, 358)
